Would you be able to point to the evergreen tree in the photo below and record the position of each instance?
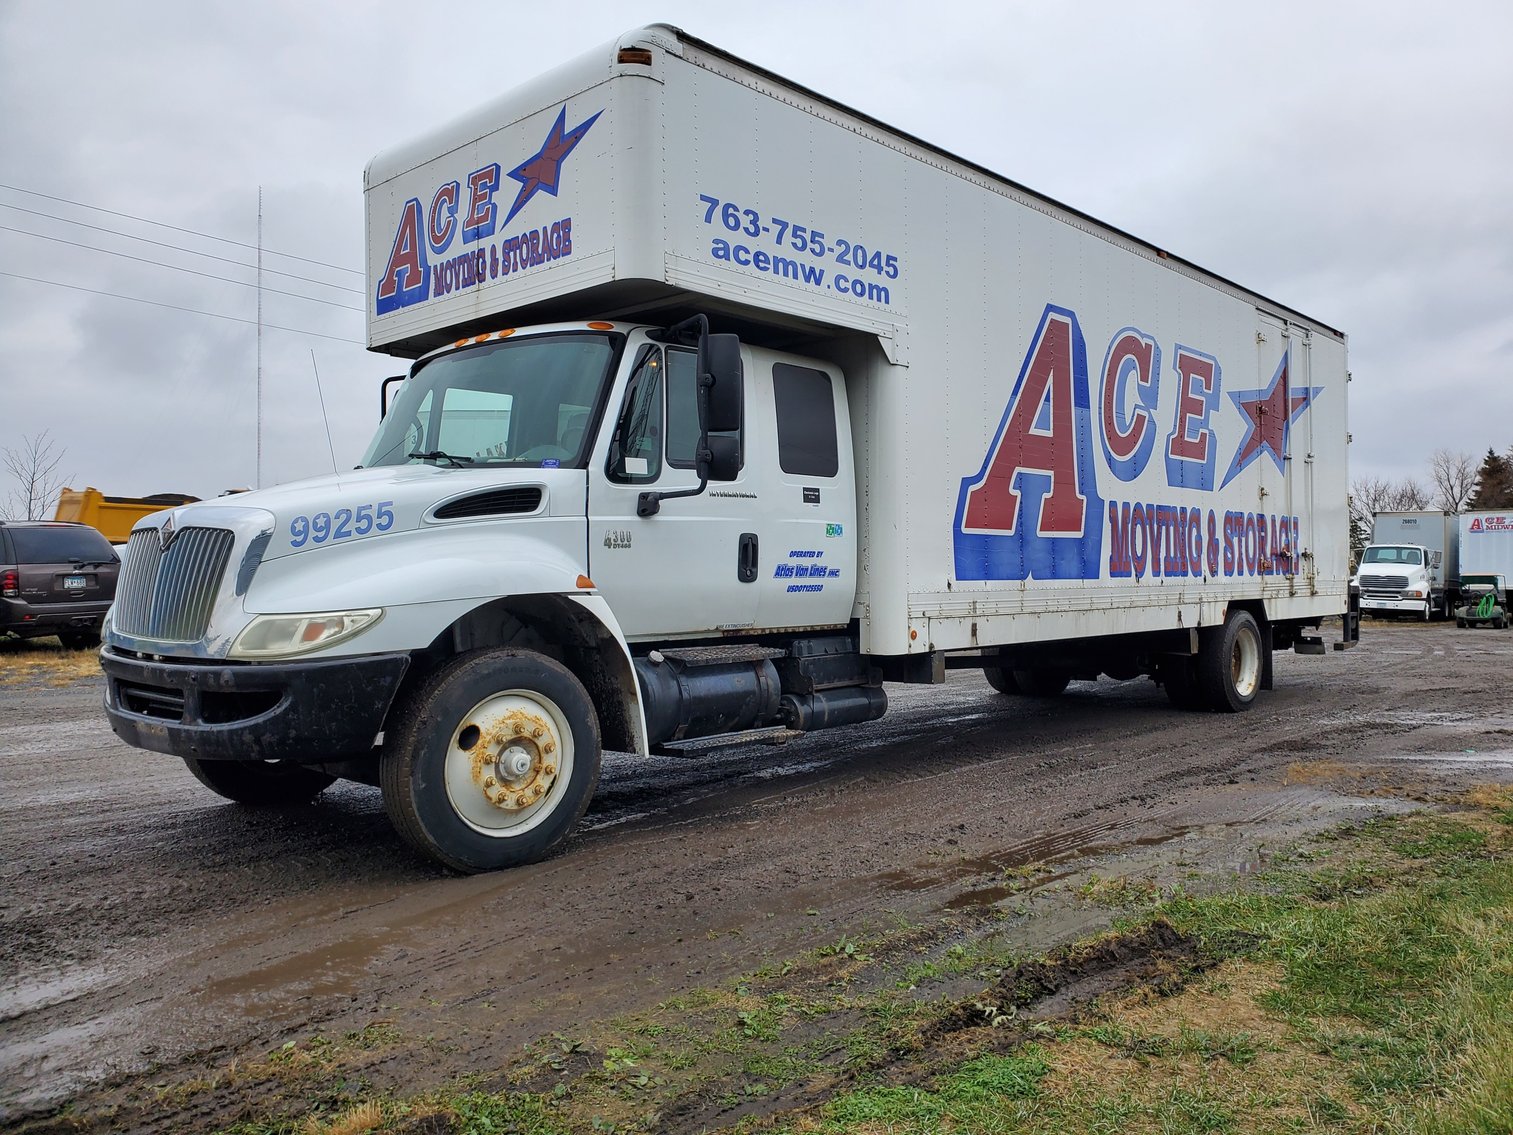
(1494, 482)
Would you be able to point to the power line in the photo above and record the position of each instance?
(176, 307)
(181, 248)
(177, 268)
(175, 228)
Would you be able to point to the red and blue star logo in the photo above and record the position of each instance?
(1269, 413)
(542, 171)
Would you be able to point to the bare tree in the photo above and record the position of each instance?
(1454, 478)
(33, 465)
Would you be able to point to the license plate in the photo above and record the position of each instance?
(73, 583)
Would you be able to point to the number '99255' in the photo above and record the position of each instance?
(343, 523)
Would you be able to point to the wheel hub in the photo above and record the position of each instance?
(514, 758)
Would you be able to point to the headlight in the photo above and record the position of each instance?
(279, 636)
(1414, 594)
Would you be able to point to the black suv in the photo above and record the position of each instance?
(55, 579)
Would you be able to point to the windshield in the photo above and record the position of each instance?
(509, 402)
(1385, 555)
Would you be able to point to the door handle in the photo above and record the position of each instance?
(746, 560)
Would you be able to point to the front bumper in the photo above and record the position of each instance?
(312, 712)
(1393, 606)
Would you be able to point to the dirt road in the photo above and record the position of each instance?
(148, 928)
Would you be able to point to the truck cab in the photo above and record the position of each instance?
(650, 529)
(1403, 580)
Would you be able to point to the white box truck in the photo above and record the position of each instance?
(729, 404)
(1486, 566)
(1412, 565)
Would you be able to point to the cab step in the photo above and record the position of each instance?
(697, 746)
(717, 655)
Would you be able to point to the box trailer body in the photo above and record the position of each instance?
(1412, 565)
(1486, 562)
(730, 403)
(113, 517)
(1486, 542)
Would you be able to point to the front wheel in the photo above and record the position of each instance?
(262, 784)
(1230, 662)
(492, 761)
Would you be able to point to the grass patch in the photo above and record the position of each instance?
(44, 660)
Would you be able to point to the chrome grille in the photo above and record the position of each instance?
(1383, 582)
(168, 595)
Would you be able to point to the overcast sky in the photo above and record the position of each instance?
(1352, 160)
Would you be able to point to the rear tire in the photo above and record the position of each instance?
(260, 784)
(1179, 677)
(1231, 660)
(1041, 683)
(491, 761)
(79, 640)
(1001, 680)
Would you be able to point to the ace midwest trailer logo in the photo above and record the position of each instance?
(422, 263)
(1033, 511)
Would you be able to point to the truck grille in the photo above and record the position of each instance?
(168, 595)
(1383, 582)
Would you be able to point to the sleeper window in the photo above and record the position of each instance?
(807, 444)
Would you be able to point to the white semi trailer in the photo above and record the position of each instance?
(730, 403)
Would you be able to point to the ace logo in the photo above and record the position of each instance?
(1034, 511)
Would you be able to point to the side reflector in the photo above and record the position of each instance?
(585, 583)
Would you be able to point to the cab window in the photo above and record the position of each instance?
(635, 450)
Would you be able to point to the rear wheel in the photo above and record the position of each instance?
(492, 761)
(263, 784)
(1041, 683)
(1000, 679)
(1179, 677)
(79, 640)
(1230, 661)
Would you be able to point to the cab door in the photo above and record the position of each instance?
(808, 560)
(689, 569)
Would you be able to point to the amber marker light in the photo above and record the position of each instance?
(585, 584)
(598, 326)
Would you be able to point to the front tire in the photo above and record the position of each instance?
(492, 761)
(260, 784)
(1231, 660)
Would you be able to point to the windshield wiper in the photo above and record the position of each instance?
(438, 455)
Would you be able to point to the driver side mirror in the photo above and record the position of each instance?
(724, 459)
(720, 359)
